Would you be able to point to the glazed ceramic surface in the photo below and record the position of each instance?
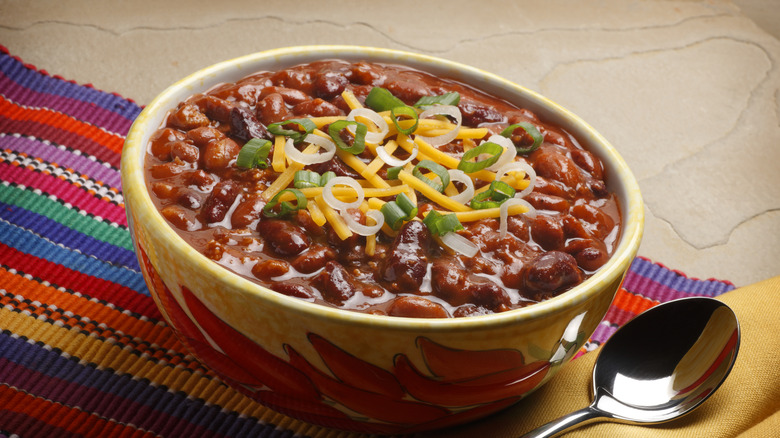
(356, 371)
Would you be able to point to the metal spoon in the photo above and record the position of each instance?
(659, 366)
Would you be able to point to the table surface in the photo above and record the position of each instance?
(688, 92)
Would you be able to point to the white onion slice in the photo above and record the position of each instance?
(467, 193)
(504, 213)
(459, 244)
(325, 143)
(447, 110)
(395, 162)
(509, 154)
(515, 166)
(379, 121)
(364, 230)
(330, 199)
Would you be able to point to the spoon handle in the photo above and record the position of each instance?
(565, 423)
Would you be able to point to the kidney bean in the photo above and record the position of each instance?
(188, 200)
(220, 153)
(367, 74)
(317, 108)
(588, 163)
(550, 163)
(470, 310)
(284, 237)
(167, 170)
(329, 84)
(336, 283)
(248, 211)
(337, 166)
(270, 268)
(406, 263)
(184, 151)
(219, 201)
(601, 223)
(547, 231)
(552, 272)
(512, 273)
(272, 109)
(298, 79)
(164, 190)
(314, 258)
(448, 281)
(188, 116)
(303, 217)
(590, 254)
(244, 125)
(291, 96)
(574, 228)
(416, 307)
(214, 107)
(161, 142)
(542, 201)
(180, 218)
(518, 226)
(409, 90)
(293, 290)
(203, 181)
(475, 114)
(554, 188)
(487, 293)
(203, 135)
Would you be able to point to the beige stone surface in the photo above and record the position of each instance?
(688, 91)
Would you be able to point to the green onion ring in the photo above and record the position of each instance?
(406, 204)
(495, 150)
(305, 179)
(452, 98)
(394, 215)
(392, 173)
(484, 200)
(436, 168)
(327, 176)
(439, 224)
(404, 111)
(285, 207)
(254, 154)
(358, 145)
(501, 191)
(381, 99)
(531, 130)
(306, 127)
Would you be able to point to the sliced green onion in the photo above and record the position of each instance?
(493, 149)
(358, 145)
(443, 99)
(498, 192)
(406, 204)
(254, 154)
(305, 179)
(305, 127)
(381, 99)
(531, 130)
(392, 173)
(439, 224)
(436, 168)
(394, 215)
(327, 176)
(406, 111)
(285, 207)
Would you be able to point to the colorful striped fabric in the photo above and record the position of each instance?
(83, 349)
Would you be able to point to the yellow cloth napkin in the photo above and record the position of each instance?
(747, 405)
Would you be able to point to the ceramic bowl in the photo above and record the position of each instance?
(356, 371)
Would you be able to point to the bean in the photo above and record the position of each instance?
(601, 223)
(588, 163)
(367, 74)
(512, 273)
(552, 272)
(314, 258)
(180, 218)
(416, 307)
(203, 181)
(317, 108)
(161, 143)
(487, 293)
(248, 212)
(293, 290)
(448, 281)
(336, 284)
(409, 90)
(406, 263)
(550, 163)
(219, 201)
(590, 254)
(214, 107)
(553, 188)
(291, 96)
(329, 84)
(270, 268)
(297, 79)
(547, 232)
(164, 190)
(189, 200)
(185, 151)
(220, 153)
(284, 237)
(188, 116)
(475, 114)
(203, 135)
(542, 201)
(244, 125)
(167, 170)
(272, 109)
(518, 226)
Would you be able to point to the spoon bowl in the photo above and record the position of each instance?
(659, 366)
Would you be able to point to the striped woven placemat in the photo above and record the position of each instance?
(83, 349)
